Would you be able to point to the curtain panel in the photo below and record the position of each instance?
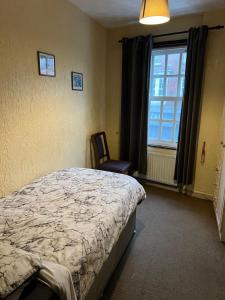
(134, 103)
(186, 151)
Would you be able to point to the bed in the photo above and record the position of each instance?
(79, 219)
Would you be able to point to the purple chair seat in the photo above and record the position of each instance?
(117, 166)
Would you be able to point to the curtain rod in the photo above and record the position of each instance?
(182, 32)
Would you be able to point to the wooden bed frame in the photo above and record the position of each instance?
(36, 290)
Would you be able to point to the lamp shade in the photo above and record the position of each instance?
(154, 12)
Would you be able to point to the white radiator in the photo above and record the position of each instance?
(161, 167)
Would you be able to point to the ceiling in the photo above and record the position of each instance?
(113, 13)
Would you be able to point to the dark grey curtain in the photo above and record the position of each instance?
(134, 102)
(186, 152)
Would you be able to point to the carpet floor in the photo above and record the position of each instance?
(175, 255)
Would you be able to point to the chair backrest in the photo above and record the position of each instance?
(101, 150)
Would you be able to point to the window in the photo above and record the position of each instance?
(166, 95)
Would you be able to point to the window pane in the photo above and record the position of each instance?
(177, 132)
(183, 63)
(167, 131)
(155, 108)
(168, 110)
(159, 64)
(154, 130)
(171, 86)
(173, 64)
(167, 85)
(43, 64)
(182, 82)
(158, 87)
(178, 110)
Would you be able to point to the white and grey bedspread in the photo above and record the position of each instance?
(71, 217)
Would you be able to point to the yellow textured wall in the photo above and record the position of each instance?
(45, 125)
(213, 89)
(212, 105)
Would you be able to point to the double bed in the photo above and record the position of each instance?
(79, 220)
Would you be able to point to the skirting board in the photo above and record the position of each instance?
(217, 221)
(200, 195)
(193, 194)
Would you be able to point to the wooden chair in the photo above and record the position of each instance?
(102, 157)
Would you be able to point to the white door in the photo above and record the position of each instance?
(220, 194)
(221, 199)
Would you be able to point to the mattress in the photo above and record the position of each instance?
(71, 217)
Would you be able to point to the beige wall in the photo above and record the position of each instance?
(212, 108)
(213, 91)
(45, 125)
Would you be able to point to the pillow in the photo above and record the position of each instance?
(16, 266)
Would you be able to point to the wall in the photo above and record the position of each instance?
(213, 90)
(213, 102)
(45, 125)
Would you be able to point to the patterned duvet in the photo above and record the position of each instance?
(71, 217)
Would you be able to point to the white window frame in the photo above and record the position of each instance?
(166, 51)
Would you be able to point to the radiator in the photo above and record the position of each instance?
(161, 167)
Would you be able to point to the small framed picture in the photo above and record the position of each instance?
(77, 81)
(46, 64)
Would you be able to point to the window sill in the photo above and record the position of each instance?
(162, 147)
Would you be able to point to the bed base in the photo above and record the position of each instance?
(35, 290)
(97, 289)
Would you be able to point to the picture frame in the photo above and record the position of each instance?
(77, 81)
(46, 64)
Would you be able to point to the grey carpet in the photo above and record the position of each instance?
(175, 255)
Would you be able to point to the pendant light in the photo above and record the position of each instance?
(154, 12)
